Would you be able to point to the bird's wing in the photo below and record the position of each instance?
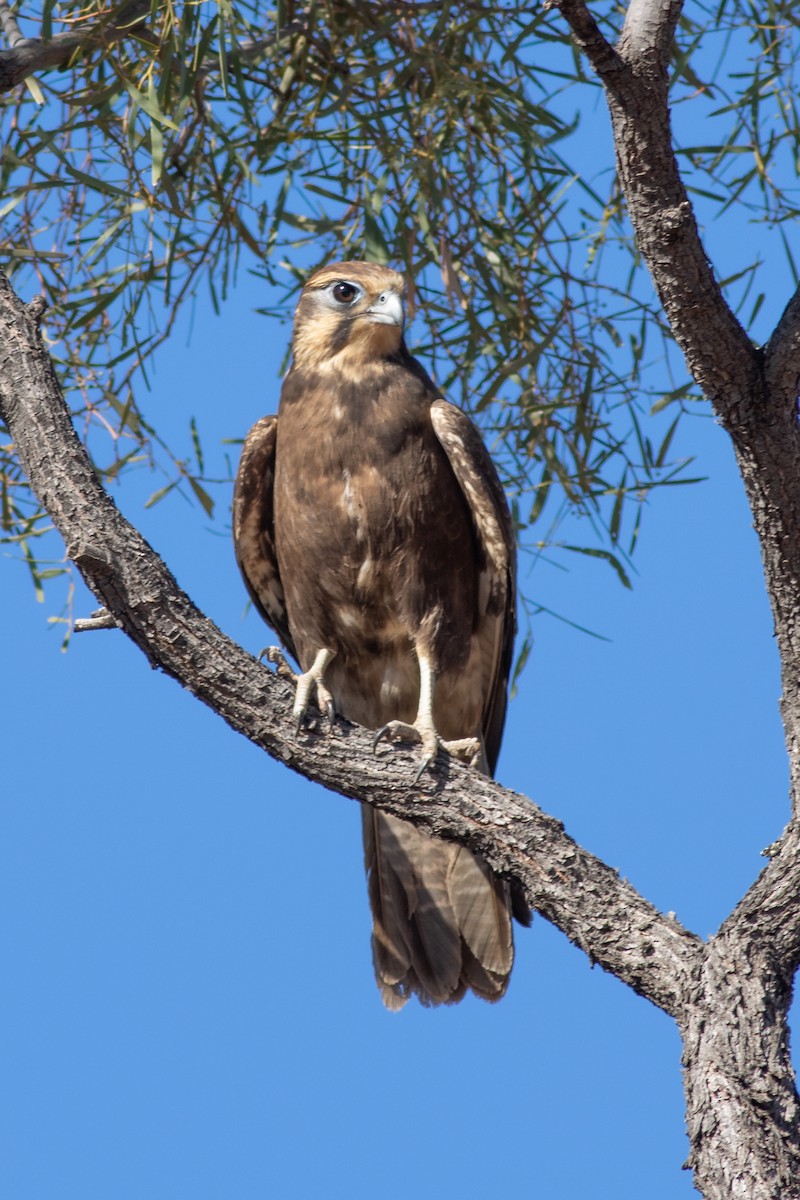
(253, 527)
(478, 480)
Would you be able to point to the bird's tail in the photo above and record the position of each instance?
(441, 919)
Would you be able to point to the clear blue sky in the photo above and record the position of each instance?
(188, 1010)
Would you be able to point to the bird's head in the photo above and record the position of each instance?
(350, 312)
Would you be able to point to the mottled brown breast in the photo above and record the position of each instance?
(390, 549)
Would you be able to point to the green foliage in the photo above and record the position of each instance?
(462, 143)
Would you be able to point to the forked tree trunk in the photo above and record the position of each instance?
(742, 1106)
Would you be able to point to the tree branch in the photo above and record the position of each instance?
(648, 30)
(769, 912)
(742, 1106)
(29, 56)
(589, 38)
(718, 352)
(9, 25)
(754, 394)
(587, 900)
(782, 357)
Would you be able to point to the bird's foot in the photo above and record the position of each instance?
(306, 683)
(468, 750)
(275, 655)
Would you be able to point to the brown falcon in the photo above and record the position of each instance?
(374, 537)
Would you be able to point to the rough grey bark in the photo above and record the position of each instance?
(742, 1107)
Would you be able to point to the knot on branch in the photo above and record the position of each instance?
(672, 221)
(36, 309)
(90, 558)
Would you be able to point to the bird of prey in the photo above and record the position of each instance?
(373, 536)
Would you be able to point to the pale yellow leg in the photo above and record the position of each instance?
(424, 730)
(308, 682)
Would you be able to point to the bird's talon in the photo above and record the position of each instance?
(466, 750)
(427, 759)
(379, 737)
(274, 655)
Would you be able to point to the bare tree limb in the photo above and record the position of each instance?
(589, 38)
(101, 619)
(742, 1106)
(758, 410)
(10, 26)
(782, 357)
(719, 354)
(769, 912)
(648, 30)
(742, 1111)
(29, 56)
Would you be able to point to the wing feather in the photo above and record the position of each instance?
(254, 528)
(478, 479)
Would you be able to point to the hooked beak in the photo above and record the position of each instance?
(387, 309)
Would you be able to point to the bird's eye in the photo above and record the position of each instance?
(345, 292)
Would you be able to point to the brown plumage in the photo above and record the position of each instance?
(374, 537)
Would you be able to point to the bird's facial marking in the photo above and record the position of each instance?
(349, 315)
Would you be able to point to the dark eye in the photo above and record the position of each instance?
(344, 292)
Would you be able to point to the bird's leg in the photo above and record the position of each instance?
(308, 681)
(424, 730)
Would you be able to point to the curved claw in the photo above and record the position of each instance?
(396, 731)
(274, 655)
(467, 750)
(427, 759)
(382, 733)
(403, 732)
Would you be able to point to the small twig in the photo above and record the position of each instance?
(9, 26)
(101, 618)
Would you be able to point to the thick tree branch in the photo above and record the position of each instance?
(782, 358)
(754, 394)
(742, 1106)
(769, 912)
(648, 31)
(597, 910)
(719, 354)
